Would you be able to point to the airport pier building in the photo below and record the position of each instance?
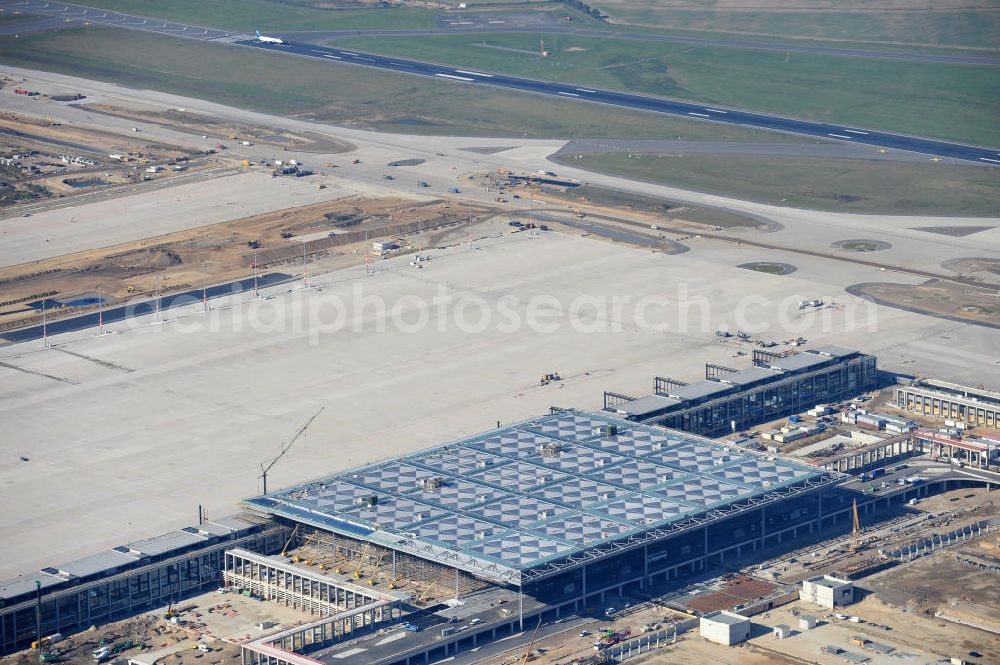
(729, 400)
(976, 407)
(126, 580)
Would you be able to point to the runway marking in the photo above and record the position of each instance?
(989, 159)
(457, 78)
(400, 64)
(839, 136)
(700, 115)
(568, 94)
(335, 57)
(346, 53)
(716, 111)
(358, 57)
(584, 90)
(314, 50)
(855, 131)
(462, 71)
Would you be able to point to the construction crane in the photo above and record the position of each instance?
(285, 448)
(857, 528)
(527, 653)
(285, 548)
(425, 594)
(375, 576)
(361, 561)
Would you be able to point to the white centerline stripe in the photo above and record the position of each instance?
(700, 115)
(855, 131)
(987, 159)
(346, 53)
(716, 111)
(457, 78)
(401, 64)
(839, 136)
(462, 71)
(358, 57)
(584, 90)
(335, 57)
(568, 94)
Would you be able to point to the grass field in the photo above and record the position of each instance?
(822, 184)
(341, 95)
(972, 23)
(957, 102)
(8, 17)
(273, 15)
(248, 15)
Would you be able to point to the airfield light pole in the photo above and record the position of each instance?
(100, 312)
(159, 318)
(531, 219)
(305, 270)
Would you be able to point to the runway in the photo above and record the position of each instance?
(691, 110)
(829, 132)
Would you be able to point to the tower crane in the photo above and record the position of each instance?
(286, 447)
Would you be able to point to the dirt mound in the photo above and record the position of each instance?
(154, 257)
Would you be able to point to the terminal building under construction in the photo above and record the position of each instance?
(728, 400)
(538, 520)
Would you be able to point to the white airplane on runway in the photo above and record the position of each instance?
(269, 40)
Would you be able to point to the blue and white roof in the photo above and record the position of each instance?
(536, 492)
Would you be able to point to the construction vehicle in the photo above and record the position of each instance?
(527, 653)
(289, 541)
(374, 578)
(548, 378)
(361, 562)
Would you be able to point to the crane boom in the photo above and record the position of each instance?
(527, 653)
(285, 447)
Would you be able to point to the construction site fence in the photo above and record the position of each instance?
(643, 644)
(938, 541)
